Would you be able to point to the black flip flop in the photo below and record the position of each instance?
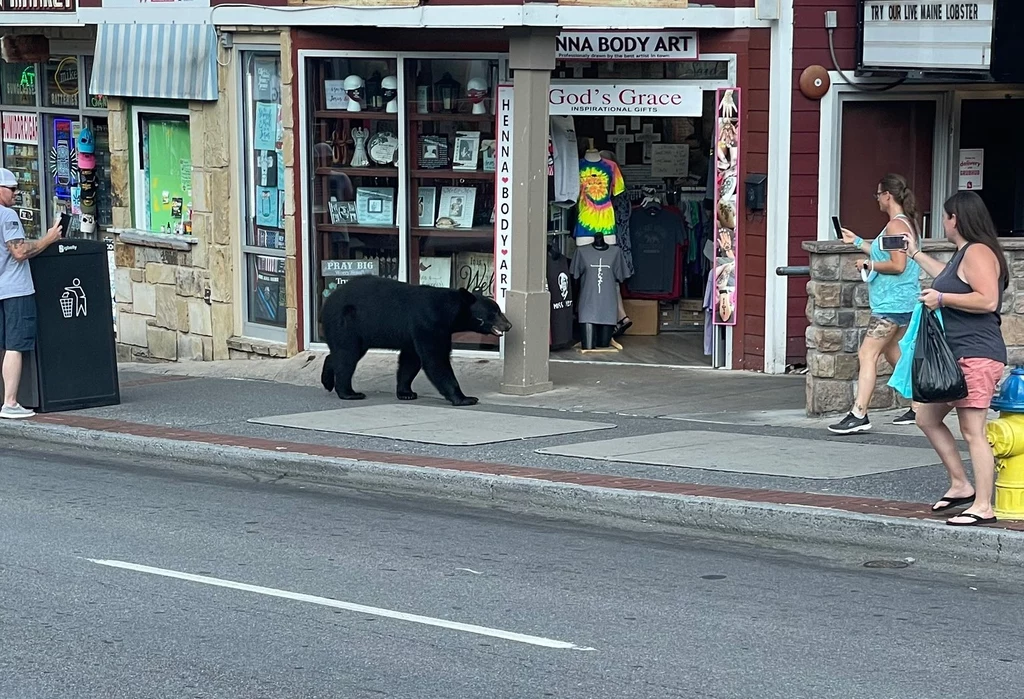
(952, 502)
(978, 519)
(621, 328)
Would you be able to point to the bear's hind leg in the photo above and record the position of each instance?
(409, 366)
(344, 362)
(327, 374)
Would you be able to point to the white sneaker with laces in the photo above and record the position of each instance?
(15, 412)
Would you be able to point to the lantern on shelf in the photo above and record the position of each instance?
(374, 92)
(447, 92)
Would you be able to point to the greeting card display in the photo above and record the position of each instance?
(375, 206)
(433, 151)
(458, 204)
(467, 150)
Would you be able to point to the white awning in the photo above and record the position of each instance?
(158, 61)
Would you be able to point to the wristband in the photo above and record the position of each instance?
(940, 299)
(858, 241)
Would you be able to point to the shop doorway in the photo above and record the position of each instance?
(664, 162)
(988, 125)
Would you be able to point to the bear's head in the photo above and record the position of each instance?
(483, 315)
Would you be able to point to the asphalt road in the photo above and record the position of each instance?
(556, 610)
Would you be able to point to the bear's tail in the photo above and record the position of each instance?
(327, 374)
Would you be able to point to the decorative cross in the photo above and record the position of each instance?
(600, 267)
(647, 137)
(620, 139)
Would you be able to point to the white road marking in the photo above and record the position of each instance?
(350, 606)
(470, 570)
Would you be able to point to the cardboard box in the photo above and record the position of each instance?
(644, 314)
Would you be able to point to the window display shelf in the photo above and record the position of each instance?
(356, 228)
(358, 171)
(359, 116)
(453, 174)
(475, 232)
(443, 116)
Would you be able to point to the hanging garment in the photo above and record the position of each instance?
(623, 211)
(709, 310)
(560, 289)
(599, 272)
(599, 182)
(565, 159)
(657, 250)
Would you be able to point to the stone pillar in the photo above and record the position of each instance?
(528, 304)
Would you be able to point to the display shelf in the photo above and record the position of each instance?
(360, 116)
(356, 228)
(449, 174)
(475, 232)
(443, 116)
(358, 171)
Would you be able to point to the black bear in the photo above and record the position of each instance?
(373, 313)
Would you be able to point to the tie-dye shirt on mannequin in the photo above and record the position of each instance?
(599, 182)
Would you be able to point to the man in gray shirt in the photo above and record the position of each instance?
(17, 293)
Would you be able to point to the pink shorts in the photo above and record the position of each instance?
(983, 375)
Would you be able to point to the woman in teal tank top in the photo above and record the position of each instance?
(894, 287)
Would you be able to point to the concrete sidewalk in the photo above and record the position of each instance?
(742, 435)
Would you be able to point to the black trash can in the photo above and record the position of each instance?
(75, 362)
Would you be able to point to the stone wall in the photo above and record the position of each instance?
(838, 313)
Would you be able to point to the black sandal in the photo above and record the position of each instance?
(952, 502)
(622, 326)
(978, 519)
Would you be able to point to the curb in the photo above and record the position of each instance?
(793, 527)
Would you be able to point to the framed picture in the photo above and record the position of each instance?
(458, 204)
(436, 271)
(375, 206)
(342, 212)
(433, 151)
(467, 150)
(487, 148)
(426, 206)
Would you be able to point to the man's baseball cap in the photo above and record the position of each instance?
(7, 178)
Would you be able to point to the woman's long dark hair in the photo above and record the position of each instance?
(897, 186)
(974, 224)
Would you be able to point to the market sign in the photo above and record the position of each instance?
(660, 99)
(626, 46)
(940, 36)
(38, 5)
(20, 128)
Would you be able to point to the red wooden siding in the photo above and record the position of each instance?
(810, 47)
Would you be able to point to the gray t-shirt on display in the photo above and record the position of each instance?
(15, 277)
(599, 272)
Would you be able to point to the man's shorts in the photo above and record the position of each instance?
(18, 324)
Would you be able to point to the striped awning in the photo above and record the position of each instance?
(160, 61)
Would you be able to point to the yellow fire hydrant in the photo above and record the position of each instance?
(1006, 435)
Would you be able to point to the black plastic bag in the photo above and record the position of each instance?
(936, 373)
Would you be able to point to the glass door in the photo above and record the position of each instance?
(21, 156)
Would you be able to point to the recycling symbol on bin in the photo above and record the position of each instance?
(73, 302)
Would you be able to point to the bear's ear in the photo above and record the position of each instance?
(467, 297)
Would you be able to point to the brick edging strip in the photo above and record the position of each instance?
(860, 505)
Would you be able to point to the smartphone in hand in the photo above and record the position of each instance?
(894, 242)
(837, 228)
(65, 225)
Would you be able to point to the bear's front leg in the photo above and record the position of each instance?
(437, 364)
(409, 366)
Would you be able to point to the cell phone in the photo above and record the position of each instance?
(837, 228)
(65, 225)
(894, 242)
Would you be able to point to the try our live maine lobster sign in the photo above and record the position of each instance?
(38, 5)
(922, 35)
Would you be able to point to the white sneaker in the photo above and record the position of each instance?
(15, 412)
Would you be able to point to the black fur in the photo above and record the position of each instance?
(373, 313)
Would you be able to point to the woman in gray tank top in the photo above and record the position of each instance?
(969, 290)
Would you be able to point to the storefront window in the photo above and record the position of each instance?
(355, 188)
(19, 84)
(21, 156)
(164, 180)
(61, 82)
(264, 244)
(94, 101)
(450, 108)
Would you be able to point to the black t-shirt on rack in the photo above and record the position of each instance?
(560, 288)
(655, 234)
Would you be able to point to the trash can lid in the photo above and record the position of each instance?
(1010, 398)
